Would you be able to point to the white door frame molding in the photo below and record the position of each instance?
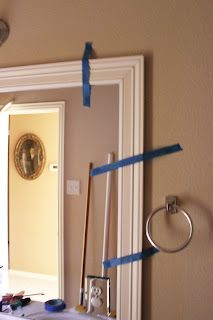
(127, 73)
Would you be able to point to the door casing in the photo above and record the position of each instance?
(128, 74)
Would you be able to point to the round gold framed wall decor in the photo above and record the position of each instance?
(29, 156)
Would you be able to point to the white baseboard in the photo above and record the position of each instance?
(33, 275)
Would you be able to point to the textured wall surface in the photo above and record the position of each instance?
(176, 39)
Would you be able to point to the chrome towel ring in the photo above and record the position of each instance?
(170, 207)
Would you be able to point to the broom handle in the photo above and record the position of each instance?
(83, 258)
(107, 215)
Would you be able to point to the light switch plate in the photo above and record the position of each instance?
(73, 187)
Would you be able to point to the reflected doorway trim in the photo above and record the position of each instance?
(46, 107)
(128, 74)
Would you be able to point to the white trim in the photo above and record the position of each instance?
(4, 127)
(32, 275)
(127, 72)
(31, 108)
(61, 201)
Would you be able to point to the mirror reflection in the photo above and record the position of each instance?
(83, 129)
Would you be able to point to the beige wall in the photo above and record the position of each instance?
(33, 214)
(175, 37)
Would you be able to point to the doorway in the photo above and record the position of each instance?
(34, 261)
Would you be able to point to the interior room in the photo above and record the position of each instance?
(41, 199)
(172, 92)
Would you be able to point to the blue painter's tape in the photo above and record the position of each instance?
(134, 159)
(86, 74)
(55, 305)
(130, 258)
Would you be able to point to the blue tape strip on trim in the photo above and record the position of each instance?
(130, 258)
(86, 74)
(54, 305)
(134, 159)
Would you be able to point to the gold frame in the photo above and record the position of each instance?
(30, 156)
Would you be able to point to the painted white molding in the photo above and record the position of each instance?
(127, 73)
(33, 275)
(4, 127)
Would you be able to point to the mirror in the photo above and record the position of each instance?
(127, 73)
(82, 128)
(29, 156)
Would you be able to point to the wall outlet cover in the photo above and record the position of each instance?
(97, 295)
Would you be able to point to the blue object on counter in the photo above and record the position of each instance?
(54, 305)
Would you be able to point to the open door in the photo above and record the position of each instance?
(4, 129)
(42, 110)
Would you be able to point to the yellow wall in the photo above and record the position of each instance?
(33, 204)
(175, 37)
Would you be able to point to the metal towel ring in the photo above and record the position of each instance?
(173, 208)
